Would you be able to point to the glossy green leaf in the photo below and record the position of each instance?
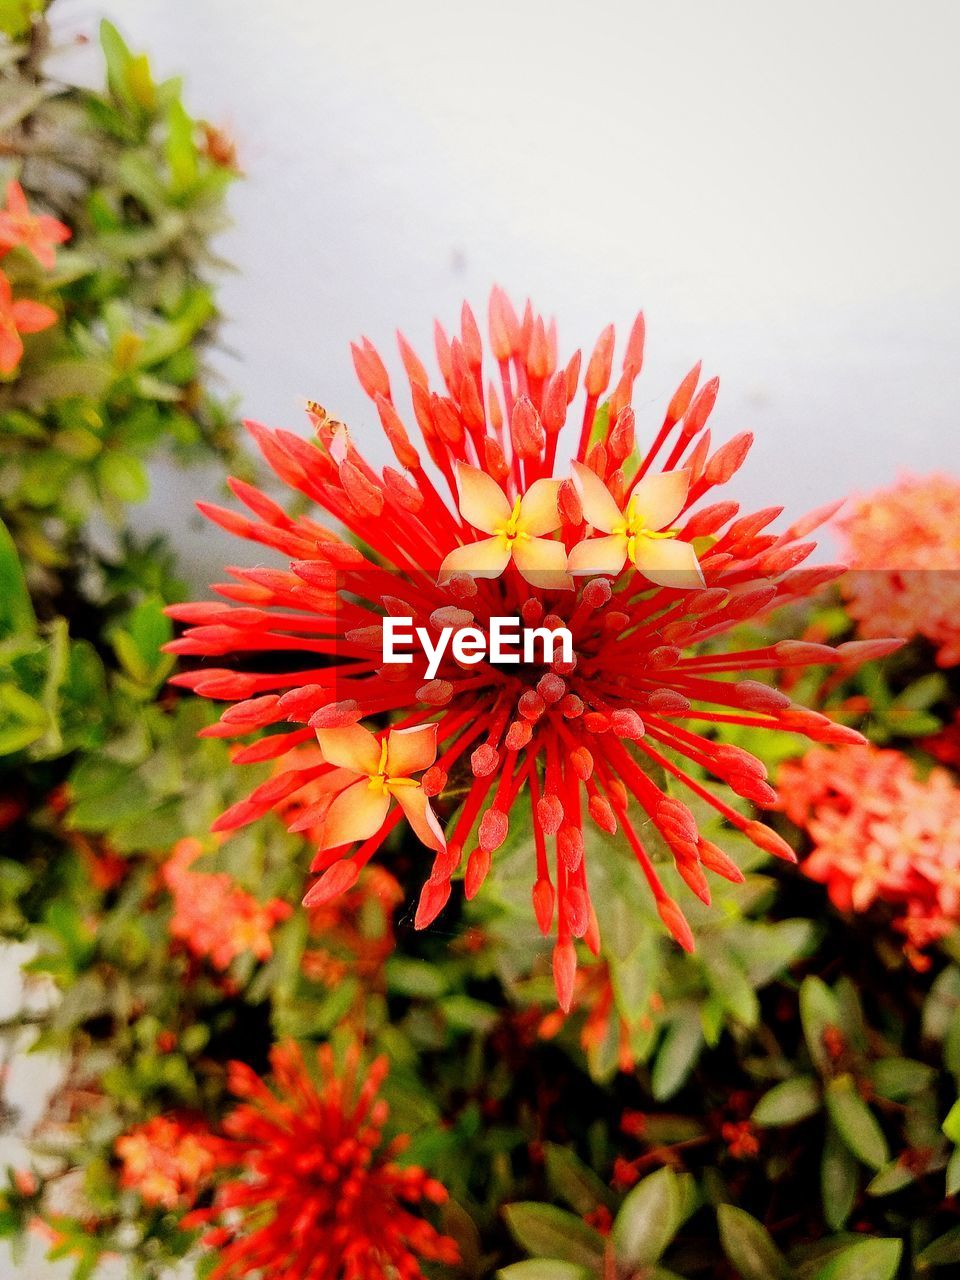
(16, 609)
(876, 1259)
(818, 1012)
(856, 1123)
(544, 1269)
(546, 1232)
(648, 1219)
(942, 1252)
(749, 1246)
(574, 1181)
(789, 1102)
(677, 1054)
(838, 1180)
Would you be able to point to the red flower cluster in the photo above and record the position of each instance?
(670, 571)
(317, 1195)
(39, 235)
(169, 1160)
(905, 552)
(880, 834)
(212, 916)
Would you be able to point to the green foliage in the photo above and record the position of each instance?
(124, 376)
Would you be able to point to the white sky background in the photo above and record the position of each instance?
(775, 184)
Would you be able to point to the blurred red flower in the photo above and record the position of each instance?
(880, 834)
(317, 1195)
(169, 1159)
(212, 916)
(904, 546)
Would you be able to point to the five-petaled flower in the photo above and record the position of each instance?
(517, 531)
(36, 232)
(367, 774)
(640, 532)
(17, 317)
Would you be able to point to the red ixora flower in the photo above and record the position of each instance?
(212, 915)
(629, 551)
(169, 1160)
(880, 834)
(904, 545)
(317, 1195)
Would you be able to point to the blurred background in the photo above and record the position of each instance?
(776, 188)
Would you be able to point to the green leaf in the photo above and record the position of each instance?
(901, 1078)
(546, 1232)
(749, 1246)
(543, 1269)
(409, 977)
(123, 476)
(838, 1180)
(677, 1054)
(953, 1173)
(118, 58)
(942, 1251)
(951, 1125)
(891, 1178)
(788, 1102)
(856, 1123)
(818, 1011)
(137, 642)
(181, 149)
(16, 610)
(574, 1181)
(876, 1259)
(648, 1219)
(22, 719)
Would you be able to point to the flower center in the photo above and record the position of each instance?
(510, 532)
(632, 527)
(381, 782)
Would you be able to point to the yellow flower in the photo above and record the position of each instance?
(368, 774)
(516, 532)
(640, 533)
